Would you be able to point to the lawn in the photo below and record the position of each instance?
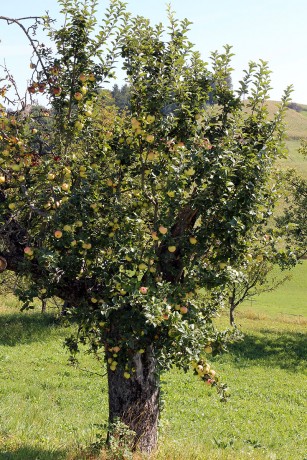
(51, 411)
(290, 299)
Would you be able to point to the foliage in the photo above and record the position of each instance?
(121, 96)
(295, 214)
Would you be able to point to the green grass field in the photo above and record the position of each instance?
(289, 300)
(51, 411)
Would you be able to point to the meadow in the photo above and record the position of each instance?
(52, 411)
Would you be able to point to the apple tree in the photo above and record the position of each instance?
(132, 216)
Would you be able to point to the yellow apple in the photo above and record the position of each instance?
(142, 266)
(150, 119)
(193, 240)
(150, 138)
(65, 187)
(2, 179)
(172, 248)
(79, 125)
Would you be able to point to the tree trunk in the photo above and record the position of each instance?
(44, 305)
(135, 401)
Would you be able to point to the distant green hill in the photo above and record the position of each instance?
(296, 120)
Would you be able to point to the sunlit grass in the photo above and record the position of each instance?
(49, 410)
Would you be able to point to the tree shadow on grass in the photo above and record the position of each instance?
(31, 453)
(287, 350)
(22, 328)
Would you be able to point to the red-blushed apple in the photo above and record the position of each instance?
(56, 90)
(28, 251)
(143, 290)
(41, 87)
(58, 234)
(154, 236)
(82, 77)
(184, 310)
(78, 96)
(162, 230)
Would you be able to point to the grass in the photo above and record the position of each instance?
(50, 411)
(289, 300)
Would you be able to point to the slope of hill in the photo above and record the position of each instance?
(296, 121)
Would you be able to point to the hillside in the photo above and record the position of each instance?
(296, 121)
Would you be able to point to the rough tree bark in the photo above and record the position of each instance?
(135, 401)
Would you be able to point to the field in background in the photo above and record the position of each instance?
(290, 299)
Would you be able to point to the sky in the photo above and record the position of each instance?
(272, 30)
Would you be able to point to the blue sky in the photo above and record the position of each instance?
(273, 30)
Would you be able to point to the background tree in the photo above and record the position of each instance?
(127, 215)
(294, 217)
